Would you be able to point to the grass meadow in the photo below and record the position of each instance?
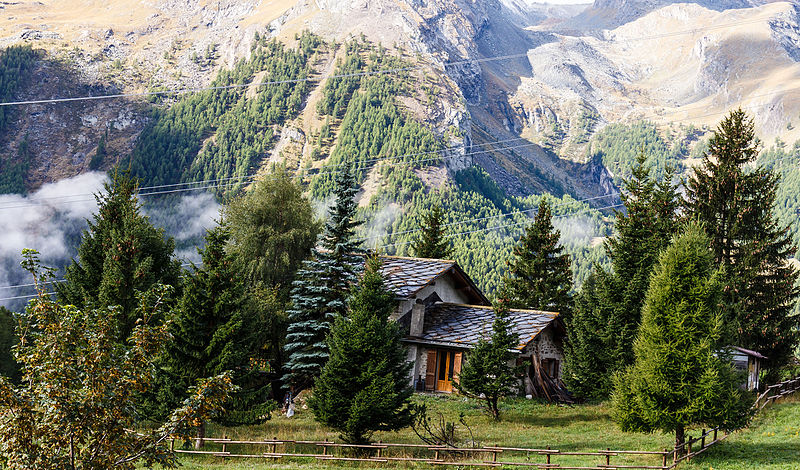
(771, 442)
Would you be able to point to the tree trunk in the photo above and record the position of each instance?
(494, 409)
(680, 438)
(201, 434)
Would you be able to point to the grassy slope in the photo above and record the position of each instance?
(771, 443)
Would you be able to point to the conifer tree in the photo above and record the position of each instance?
(608, 309)
(486, 372)
(213, 332)
(364, 386)
(681, 376)
(432, 241)
(736, 205)
(120, 254)
(539, 276)
(322, 287)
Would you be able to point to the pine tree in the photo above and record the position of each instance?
(680, 376)
(432, 241)
(487, 373)
(608, 310)
(539, 276)
(364, 386)
(213, 332)
(736, 205)
(120, 254)
(322, 287)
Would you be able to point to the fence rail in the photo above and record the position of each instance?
(486, 456)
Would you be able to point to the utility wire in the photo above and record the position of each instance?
(179, 91)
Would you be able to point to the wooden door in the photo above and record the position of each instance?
(445, 369)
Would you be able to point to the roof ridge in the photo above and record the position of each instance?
(417, 258)
(555, 314)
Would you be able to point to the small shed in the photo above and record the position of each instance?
(749, 361)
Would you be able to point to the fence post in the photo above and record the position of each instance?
(172, 445)
(548, 455)
(379, 449)
(664, 458)
(608, 456)
(325, 447)
(275, 444)
(703, 440)
(715, 433)
(689, 454)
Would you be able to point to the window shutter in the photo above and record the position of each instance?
(430, 370)
(457, 366)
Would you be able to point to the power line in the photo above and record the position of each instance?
(404, 243)
(179, 91)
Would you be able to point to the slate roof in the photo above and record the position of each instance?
(462, 325)
(407, 276)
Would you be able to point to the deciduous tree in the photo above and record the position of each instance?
(74, 407)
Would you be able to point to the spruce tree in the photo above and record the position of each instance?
(539, 276)
(681, 376)
(487, 373)
(364, 386)
(608, 309)
(736, 203)
(121, 254)
(432, 241)
(213, 332)
(322, 287)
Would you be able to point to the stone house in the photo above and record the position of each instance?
(443, 314)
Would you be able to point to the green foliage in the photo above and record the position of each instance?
(608, 309)
(12, 174)
(680, 377)
(322, 287)
(223, 133)
(214, 331)
(8, 338)
(272, 230)
(99, 154)
(364, 386)
(487, 372)
(736, 204)
(15, 63)
(74, 407)
(432, 241)
(620, 144)
(539, 274)
(121, 255)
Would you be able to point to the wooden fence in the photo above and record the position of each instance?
(486, 456)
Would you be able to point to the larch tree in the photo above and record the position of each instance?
(736, 203)
(432, 241)
(608, 309)
(121, 255)
(364, 386)
(539, 275)
(322, 287)
(681, 376)
(487, 373)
